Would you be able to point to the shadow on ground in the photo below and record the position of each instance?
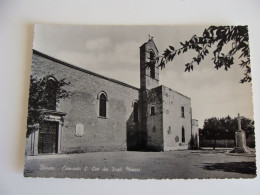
(238, 167)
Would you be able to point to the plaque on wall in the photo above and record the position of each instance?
(79, 129)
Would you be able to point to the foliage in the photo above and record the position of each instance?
(225, 128)
(219, 36)
(193, 143)
(43, 95)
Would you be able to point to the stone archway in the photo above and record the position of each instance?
(47, 139)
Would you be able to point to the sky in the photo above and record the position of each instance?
(113, 51)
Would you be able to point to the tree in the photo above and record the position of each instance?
(213, 130)
(220, 36)
(231, 126)
(225, 128)
(247, 125)
(44, 94)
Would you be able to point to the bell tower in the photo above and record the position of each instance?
(149, 79)
(149, 75)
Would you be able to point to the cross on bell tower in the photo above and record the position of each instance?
(150, 37)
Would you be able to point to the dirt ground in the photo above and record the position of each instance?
(185, 164)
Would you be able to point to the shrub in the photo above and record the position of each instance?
(193, 143)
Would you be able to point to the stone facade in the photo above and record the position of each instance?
(99, 134)
(153, 115)
(148, 51)
(152, 118)
(176, 119)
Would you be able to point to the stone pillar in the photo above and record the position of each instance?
(60, 135)
(35, 137)
(240, 137)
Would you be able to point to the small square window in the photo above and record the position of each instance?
(153, 110)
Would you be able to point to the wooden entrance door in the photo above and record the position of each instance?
(48, 137)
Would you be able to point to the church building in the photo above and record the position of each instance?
(104, 114)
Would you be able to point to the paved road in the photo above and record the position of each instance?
(142, 165)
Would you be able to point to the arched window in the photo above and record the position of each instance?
(152, 68)
(102, 104)
(50, 93)
(135, 112)
(183, 134)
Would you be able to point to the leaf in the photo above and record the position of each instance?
(167, 52)
(172, 48)
(199, 59)
(219, 37)
(171, 56)
(187, 67)
(200, 40)
(162, 65)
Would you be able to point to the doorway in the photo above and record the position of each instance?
(48, 137)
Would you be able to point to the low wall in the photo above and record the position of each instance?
(250, 142)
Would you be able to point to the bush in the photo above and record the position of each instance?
(193, 143)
